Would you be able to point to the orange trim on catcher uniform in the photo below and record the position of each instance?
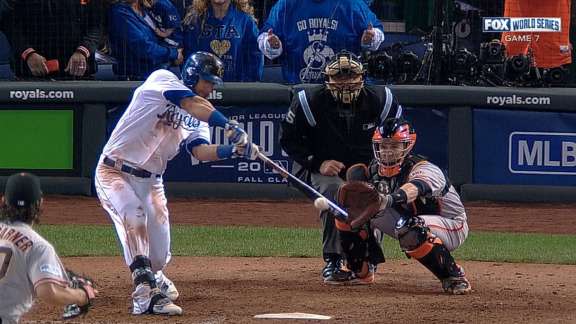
(448, 229)
(341, 226)
(62, 283)
(425, 248)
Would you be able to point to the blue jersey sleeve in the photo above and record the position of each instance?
(128, 29)
(275, 19)
(253, 59)
(176, 96)
(363, 16)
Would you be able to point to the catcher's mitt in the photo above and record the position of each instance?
(79, 282)
(362, 202)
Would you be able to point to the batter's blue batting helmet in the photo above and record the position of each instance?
(202, 65)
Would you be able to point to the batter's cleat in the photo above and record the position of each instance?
(345, 277)
(333, 264)
(167, 287)
(162, 305)
(457, 285)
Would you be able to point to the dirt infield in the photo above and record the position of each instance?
(233, 290)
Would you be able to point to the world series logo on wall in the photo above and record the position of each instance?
(524, 24)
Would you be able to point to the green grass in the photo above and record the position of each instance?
(100, 240)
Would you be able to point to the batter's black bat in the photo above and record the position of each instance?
(304, 187)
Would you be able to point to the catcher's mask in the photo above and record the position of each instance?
(392, 142)
(344, 77)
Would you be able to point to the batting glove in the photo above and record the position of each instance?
(247, 151)
(235, 134)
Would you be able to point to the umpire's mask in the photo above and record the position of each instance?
(344, 77)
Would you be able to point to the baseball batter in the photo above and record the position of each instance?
(29, 265)
(414, 203)
(165, 114)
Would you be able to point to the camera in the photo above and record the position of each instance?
(555, 76)
(493, 52)
(407, 66)
(517, 66)
(380, 66)
(463, 64)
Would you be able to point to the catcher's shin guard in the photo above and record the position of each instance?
(141, 269)
(419, 243)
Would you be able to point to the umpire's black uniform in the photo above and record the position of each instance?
(318, 128)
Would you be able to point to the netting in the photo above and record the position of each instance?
(458, 42)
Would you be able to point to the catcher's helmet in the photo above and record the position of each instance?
(202, 65)
(344, 77)
(392, 142)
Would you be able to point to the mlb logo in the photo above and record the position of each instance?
(270, 170)
(496, 24)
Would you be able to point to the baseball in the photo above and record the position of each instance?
(321, 204)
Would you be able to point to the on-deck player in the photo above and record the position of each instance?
(165, 113)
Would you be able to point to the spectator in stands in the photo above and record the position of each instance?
(306, 34)
(228, 29)
(168, 22)
(134, 43)
(54, 39)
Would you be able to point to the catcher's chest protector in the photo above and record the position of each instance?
(384, 185)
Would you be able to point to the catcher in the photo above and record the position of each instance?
(408, 198)
(29, 265)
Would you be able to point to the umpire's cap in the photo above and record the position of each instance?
(22, 190)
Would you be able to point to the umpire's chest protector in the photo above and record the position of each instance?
(345, 131)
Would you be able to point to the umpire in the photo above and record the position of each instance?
(329, 128)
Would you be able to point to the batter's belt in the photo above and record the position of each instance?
(118, 165)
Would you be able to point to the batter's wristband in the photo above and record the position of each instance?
(217, 119)
(224, 151)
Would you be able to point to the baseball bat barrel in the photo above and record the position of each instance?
(310, 192)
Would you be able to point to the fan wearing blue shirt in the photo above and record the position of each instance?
(305, 34)
(226, 28)
(168, 22)
(134, 43)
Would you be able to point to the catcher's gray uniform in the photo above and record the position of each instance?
(442, 210)
(26, 260)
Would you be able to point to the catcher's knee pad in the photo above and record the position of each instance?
(412, 235)
(419, 243)
(141, 269)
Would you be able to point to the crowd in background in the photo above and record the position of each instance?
(72, 39)
(67, 39)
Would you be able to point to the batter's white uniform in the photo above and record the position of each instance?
(26, 260)
(449, 223)
(148, 135)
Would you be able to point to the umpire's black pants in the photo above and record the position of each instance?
(328, 186)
